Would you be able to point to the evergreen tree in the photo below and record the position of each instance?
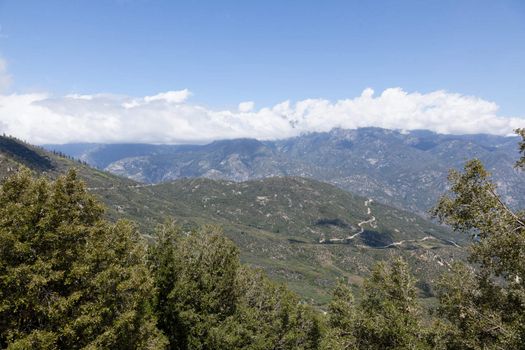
(195, 277)
(207, 300)
(386, 317)
(68, 278)
(340, 333)
(483, 305)
(269, 316)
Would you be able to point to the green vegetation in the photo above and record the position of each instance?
(277, 224)
(386, 317)
(68, 278)
(71, 279)
(483, 304)
(207, 300)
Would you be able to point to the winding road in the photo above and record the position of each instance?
(370, 222)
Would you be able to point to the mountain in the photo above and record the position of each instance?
(301, 231)
(307, 233)
(14, 153)
(407, 170)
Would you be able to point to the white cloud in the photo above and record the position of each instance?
(169, 118)
(246, 106)
(174, 97)
(5, 78)
(368, 92)
(170, 96)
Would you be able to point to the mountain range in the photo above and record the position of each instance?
(301, 231)
(404, 169)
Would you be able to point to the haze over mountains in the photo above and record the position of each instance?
(404, 169)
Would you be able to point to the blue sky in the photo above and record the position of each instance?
(226, 52)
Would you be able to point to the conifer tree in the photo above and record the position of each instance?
(207, 300)
(269, 316)
(388, 316)
(340, 332)
(483, 305)
(68, 278)
(195, 277)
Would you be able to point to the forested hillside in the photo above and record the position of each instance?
(70, 279)
(301, 232)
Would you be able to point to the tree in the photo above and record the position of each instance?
(388, 313)
(340, 333)
(68, 278)
(195, 277)
(269, 316)
(386, 317)
(483, 305)
(207, 300)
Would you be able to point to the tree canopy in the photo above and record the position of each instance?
(207, 300)
(68, 278)
(483, 303)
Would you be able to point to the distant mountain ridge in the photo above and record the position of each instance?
(301, 231)
(405, 169)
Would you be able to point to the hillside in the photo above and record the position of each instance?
(14, 152)
(308, 233)
(111, 189)
(303, 232)
(406, 170)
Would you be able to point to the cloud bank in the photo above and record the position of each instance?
(169, 117)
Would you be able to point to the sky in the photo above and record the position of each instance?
(196, 71)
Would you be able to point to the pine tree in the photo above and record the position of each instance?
(340, 333)
(195, 276)
(388, 316)
(269, 316)
(207, 300)
(482, 305)
(68, 278)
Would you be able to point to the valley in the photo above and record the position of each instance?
(303, 232)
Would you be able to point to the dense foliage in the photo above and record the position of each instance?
(69, 279)
(483, 304)
(207, 300)
(386, 317)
